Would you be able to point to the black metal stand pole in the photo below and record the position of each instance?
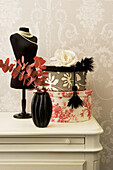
(23, 102)
(23, 114)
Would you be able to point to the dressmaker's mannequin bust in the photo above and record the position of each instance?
(23, 47)
(23, 44)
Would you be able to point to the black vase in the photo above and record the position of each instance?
(41, 109)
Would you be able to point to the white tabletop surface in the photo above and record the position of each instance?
(12, 126)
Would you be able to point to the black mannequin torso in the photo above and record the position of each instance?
(23, 47)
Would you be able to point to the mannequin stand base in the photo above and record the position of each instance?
(22, 116)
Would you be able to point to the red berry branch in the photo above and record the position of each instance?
(34, 72)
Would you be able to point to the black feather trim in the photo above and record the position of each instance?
(75, 101)
(87, 63)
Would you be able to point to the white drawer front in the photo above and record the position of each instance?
(43, 165)
(42, 140)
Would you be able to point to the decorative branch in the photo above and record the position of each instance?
(34, 72)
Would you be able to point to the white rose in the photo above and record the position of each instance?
(64, 58)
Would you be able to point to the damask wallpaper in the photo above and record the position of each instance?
(84, 26)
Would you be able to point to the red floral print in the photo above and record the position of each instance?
(62, 113)
(65, 94)
(87, 106)
(51, 94)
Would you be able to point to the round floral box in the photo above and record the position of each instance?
(63, 113)
(62, 78)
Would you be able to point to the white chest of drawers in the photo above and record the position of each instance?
(60, 146)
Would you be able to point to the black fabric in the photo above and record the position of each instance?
(24, 29)
(59, 69)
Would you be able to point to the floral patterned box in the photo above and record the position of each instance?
(63, 113)
(62, 79)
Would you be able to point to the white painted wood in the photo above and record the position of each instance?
(96, 165)
(40, 148)
(42, 140)
(80, 165)
(11, 126)
(69, 146)
(93, 142)
(41, 156)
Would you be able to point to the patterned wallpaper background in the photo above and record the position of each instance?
(84, 26)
